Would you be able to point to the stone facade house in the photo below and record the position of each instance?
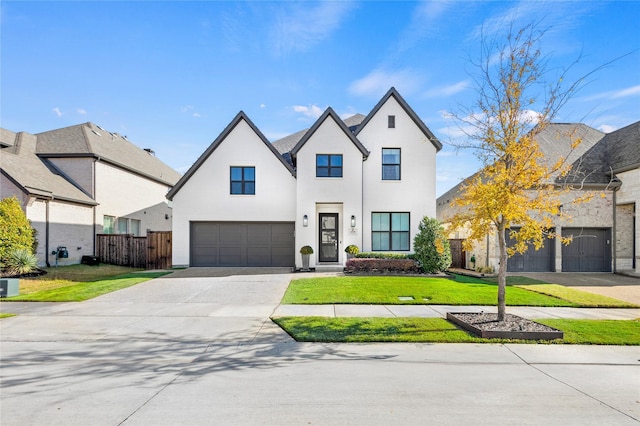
(603, 229)
(79, 181)
(366, 181)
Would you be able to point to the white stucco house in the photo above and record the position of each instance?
(367, 181)
(604, 229)
(79, 181)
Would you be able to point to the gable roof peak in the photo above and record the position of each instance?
(392, 92)
(329, 112)
(240, 116)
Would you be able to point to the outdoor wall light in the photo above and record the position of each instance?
(353, 221)
(305, 220)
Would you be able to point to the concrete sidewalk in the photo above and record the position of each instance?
(440, 311)
(202, 350)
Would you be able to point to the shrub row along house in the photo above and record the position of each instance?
(604, 231)
(366, 181)
(79, 181)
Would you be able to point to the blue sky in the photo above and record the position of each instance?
(171, 75)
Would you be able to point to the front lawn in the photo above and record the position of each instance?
(438, 330)
(462, 290)
(75, 283)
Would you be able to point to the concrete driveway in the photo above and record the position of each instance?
(619, 287)
(202, 350)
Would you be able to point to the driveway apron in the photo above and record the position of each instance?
(194, 350)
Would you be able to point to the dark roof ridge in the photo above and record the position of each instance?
(329, 112)
(240, 116)
(392, 92)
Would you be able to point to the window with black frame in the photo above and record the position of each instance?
(390, 163)
(328, 165)
(243, 180)
(390, 231)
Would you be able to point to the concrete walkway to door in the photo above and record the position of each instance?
(202, 350)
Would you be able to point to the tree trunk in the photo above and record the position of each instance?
(502, 272)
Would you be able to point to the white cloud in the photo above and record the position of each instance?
(82, 111)
(378, 81)
(299, 27)
(57, 111)
(196, 115)
(630, 91)
(615, 94)
(311, 111)
(263, 106)
(606, 128)
(423, 23)
(449, 90)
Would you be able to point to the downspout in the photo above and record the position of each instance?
(615, 229)
(46, 234)
(362, 204)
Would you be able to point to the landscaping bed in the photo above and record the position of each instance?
(486, 325)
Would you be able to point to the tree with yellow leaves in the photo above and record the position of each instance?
(516, 185)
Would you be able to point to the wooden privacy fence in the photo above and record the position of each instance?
(150, 252)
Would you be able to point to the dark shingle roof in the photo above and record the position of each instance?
(35, 176)
(286, 144)
(89, 139)
(330, 113)
(616, 152)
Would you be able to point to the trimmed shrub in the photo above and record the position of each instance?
(431, 246)
(382, 255)
(382, 265)
(352, 249)
(16, 230)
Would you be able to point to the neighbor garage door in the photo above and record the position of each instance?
(590, 250)
(532, 260)
(242, 244)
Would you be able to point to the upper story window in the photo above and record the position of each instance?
(108, 224)
(243, 180)
(328, 165)
(392, 121)
(390, 231)
(390, 163)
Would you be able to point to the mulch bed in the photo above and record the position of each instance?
(486, 325)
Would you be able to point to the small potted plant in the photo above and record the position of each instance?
(351, 251)
(306, 251)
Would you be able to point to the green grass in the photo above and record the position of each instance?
(6, 315)
(79, 291)
(583, 298)
(438, 330)
(438, 291)
(597, 332)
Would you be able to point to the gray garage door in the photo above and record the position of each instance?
(242, 244)
(533, 260)
(590, 250)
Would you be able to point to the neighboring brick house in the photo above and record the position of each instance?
(367, 181)
(80, 181)
(602, 228)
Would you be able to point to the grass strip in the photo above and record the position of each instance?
(583, 298)
(77, 292)
(438, 330)
(423, 290)
(462, 290)
(597, 332)
(5, 315)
